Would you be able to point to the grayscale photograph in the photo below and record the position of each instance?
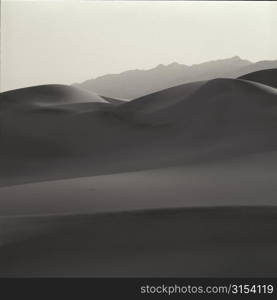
(138, 139)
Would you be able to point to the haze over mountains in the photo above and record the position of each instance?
(136, 83)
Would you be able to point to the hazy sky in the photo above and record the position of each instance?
(71, 41)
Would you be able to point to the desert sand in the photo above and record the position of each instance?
(181, 182)
(267, 77)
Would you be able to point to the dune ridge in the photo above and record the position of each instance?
(267, 77)
(45, 95)
(190, 122)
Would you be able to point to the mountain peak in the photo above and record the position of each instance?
(236, 57)
(160, 66)
(176, 65)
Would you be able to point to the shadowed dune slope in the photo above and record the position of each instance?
(161, 99)
(201, 205)
(201, 120)
(230, 241)
(267, 77)
(220, 102)
(245, 181)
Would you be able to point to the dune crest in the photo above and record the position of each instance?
(177, 184)
(202, 120)
(267, 77)
(46, 95)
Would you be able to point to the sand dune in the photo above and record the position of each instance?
(45, 95)
(181, 182)
(220, 100)
(192, 122)
(245, 181)
(267, 77)
(231, 241)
